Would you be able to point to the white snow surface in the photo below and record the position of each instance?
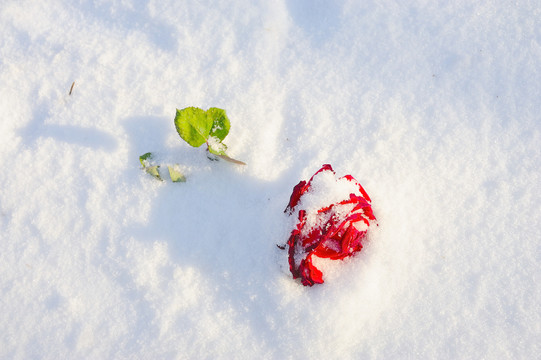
(433, 106)
(326, 188)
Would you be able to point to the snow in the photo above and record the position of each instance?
(326, 189)
(434, 107)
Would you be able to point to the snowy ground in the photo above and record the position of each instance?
(435, 107)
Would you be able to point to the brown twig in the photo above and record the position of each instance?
(227, 158)
(71, 88)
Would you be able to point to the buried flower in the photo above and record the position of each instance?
(333, 216)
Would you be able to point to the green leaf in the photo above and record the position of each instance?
(175, 174)
(197, 127)
(216, 146)
(145, 162)
(153, 170)
(220, 123)
(193, 125)
(145, 158)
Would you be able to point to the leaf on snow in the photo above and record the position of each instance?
(193, 125)
(145, 163)
(153, 170)
(175, 174)
(220, 123)
(216, 146)
(144, 159)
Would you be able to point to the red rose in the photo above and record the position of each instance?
(333, 218)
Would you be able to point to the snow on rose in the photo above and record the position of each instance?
(333, 216)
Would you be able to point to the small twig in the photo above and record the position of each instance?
(71, 88)
(227, 158)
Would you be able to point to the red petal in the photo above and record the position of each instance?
(310, 275)
(298, 190)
